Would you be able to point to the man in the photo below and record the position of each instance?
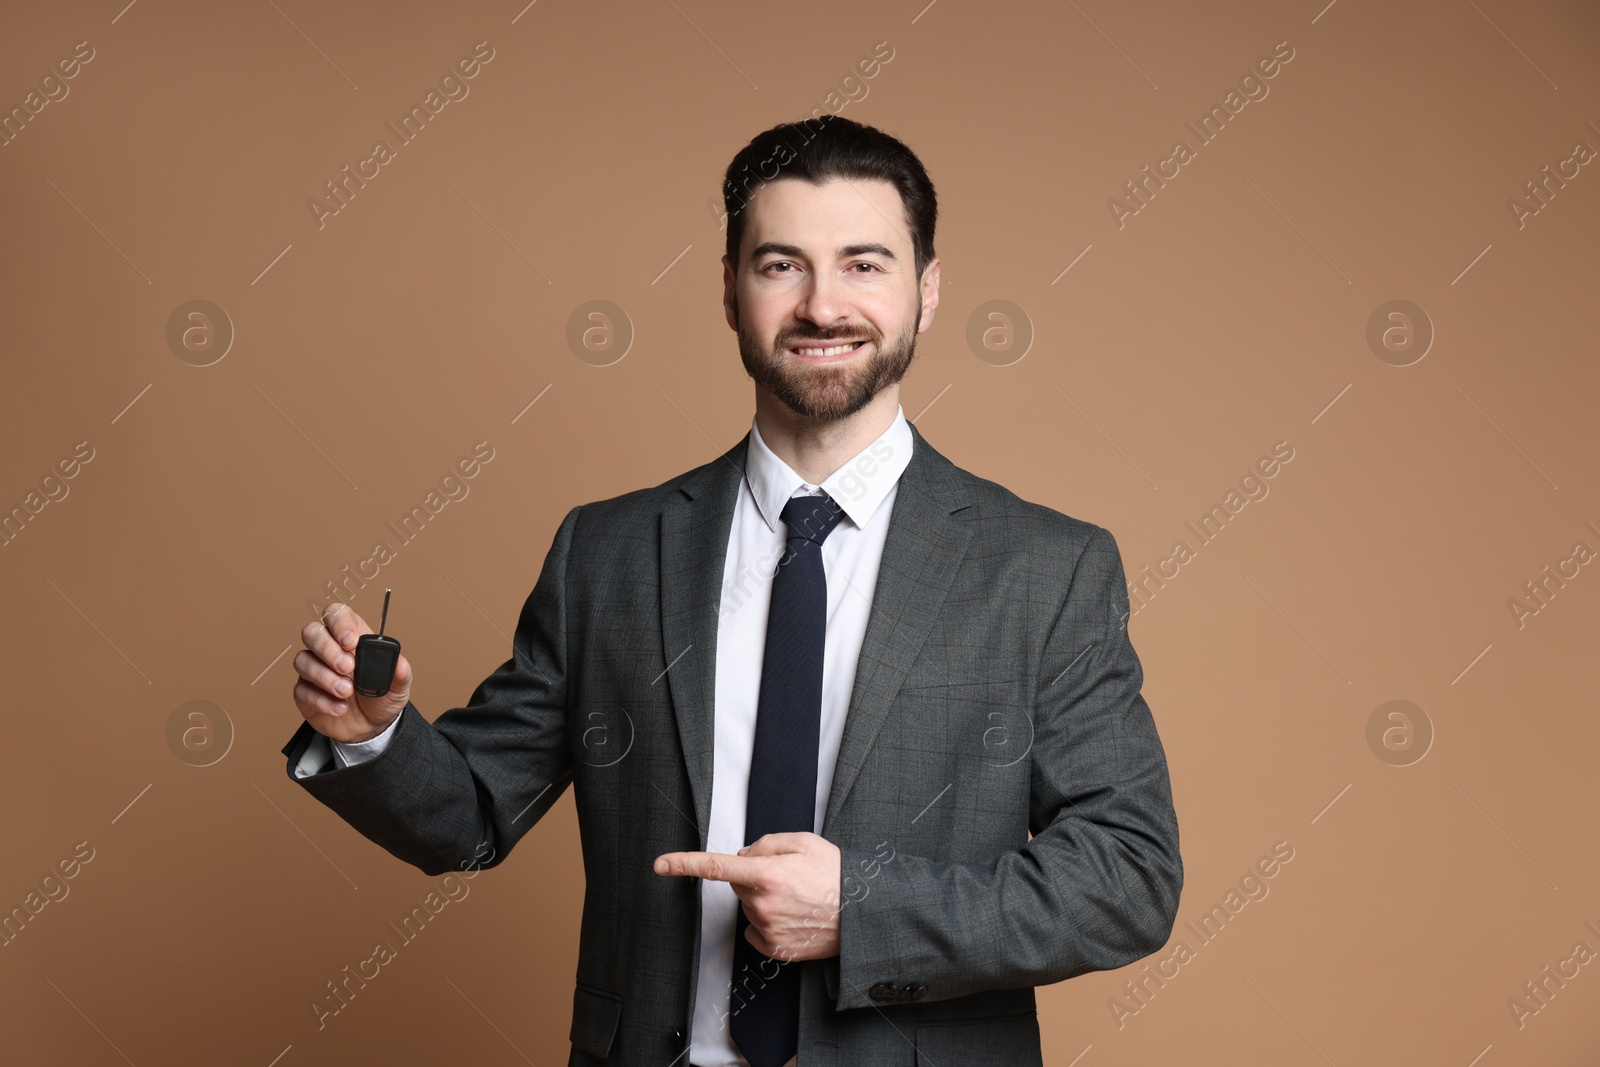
(856, 737)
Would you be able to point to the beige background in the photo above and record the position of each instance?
(1229, 314)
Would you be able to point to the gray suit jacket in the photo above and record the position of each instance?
(996, 697)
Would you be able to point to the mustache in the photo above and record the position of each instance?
(787, 339)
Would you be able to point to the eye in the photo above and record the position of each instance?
(779, 263)
(874, 266)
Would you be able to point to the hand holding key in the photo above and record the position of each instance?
(331, 695)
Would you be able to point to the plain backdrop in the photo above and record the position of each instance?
(1141, 364)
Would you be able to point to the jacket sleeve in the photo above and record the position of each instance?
(463, 789)
(1097, 886)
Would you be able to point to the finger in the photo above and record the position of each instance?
(320, 675)
(321, 643)
(768, 949)
(314, 701)
(715, 866)
(778, 844)
(761, 944)
(344, 624)
(321, 640)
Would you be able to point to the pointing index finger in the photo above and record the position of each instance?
(717, 866)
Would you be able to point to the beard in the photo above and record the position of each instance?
(823, 393)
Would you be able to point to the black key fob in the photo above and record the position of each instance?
(376, 658)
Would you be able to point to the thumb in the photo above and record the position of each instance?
(400, 688)
(380, 711)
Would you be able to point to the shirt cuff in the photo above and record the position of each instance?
(316, 758)
(350, 753)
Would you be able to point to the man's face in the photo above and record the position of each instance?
(822, 268)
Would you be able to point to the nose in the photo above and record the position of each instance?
(822, 302)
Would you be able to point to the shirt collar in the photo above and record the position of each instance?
(858, 487)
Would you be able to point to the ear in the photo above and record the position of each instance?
(730, 296)
(930, 294)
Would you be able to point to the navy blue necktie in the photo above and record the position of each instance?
(765, 999)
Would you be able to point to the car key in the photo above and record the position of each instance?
(376, 658)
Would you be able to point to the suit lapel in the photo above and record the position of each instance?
(694, 546)
(921, 553)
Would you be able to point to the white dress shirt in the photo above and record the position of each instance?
(865, 487)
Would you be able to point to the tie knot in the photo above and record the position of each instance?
(812, 517)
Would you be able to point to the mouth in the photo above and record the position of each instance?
(826, 353)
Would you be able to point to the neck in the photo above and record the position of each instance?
(814, 450)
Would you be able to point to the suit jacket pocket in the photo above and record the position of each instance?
(595, 1014)
(1000, 1041)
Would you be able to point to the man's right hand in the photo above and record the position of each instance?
(325, 693)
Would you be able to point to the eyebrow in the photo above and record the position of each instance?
(867, 248)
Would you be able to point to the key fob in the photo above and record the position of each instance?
(377, 657)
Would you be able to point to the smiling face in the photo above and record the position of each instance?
(825, 297)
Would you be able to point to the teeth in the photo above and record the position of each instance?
(829, 351)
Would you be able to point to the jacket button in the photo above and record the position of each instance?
(914, 992)
(884, 991)
(677, 1033)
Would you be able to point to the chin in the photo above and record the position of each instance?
(824, 390)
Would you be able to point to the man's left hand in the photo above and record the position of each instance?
(788, 885)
